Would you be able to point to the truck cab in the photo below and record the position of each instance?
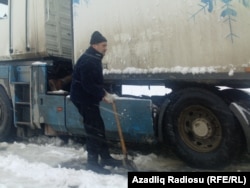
(206, 126)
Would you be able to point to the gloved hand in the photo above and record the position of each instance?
(109, 98)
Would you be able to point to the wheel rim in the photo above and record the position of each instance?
(199, 128)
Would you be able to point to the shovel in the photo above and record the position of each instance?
(128, 164)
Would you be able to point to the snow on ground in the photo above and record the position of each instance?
(47, 162)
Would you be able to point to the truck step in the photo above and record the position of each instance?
(21, 83)
(22, 123)
(23, 103)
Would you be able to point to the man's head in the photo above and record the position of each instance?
(98, 42)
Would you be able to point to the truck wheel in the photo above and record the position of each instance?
(6, 116)
(200, 128)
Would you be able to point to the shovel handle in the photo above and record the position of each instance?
(124, 150)
(126, 163)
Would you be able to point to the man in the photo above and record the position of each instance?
(86, 93)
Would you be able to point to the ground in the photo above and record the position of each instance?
(50, 162)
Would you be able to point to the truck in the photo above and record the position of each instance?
(199, 49)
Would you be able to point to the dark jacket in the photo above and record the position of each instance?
(87, 79)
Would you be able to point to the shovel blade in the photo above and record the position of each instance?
(130, 165)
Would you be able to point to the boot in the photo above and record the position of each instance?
(106, 158)
(110, 161)
(92, 164)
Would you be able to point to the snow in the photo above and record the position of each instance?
(39, 63)
(144, 90)
(43, 162)
(59, 92)
(48, 162)
(40, 164)
(156, 70)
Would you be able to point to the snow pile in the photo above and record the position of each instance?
(48, 162)
(26, 165)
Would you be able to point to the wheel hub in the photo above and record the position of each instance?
(200, 127)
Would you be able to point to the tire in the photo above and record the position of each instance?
(6, 116)
(200, 128)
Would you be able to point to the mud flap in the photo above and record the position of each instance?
(243, 115)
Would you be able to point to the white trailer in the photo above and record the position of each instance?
(189, 46)
(35, 29)
(167, 36)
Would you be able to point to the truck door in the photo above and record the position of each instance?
(53, 110)
(135, 117)
(74, 120)
(17, 27)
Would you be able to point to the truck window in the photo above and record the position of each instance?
(59, 75)
(3, 9)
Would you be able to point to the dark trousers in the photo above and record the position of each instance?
(96, 143)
